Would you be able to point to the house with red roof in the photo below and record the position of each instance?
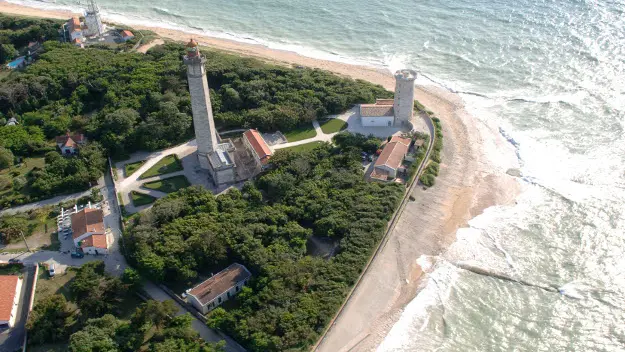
(126, 35)
(88, 231)
(68, 144)
(10, 289)
(389, 163)
(218, 288)
(256, 144)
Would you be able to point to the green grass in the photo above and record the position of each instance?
(139, 199)
(166, 165)
(332, 125)
(304, 147)
(168, 185)
(11, 269)
(130, 168)
(300, 133)
(47, 286)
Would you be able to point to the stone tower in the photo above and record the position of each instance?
(200, 104)
(404, 95)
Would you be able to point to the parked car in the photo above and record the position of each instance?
(14, 260)
(51, 270)
(77, 254)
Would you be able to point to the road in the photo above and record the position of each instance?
(11, 340)
(43, 203)
(115, 264)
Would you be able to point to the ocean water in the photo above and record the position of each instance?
(551, 75)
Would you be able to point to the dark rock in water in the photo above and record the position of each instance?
(514, 172)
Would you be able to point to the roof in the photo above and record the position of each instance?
(376, 110)
(192, 43)
(74, 24)
(384, 101)
(12, 122)
(259, 145)
(87, 220)
(402, 140)
(392, 155)
(70, 141)
(8, 285)
(126, 33)
(220, 283)
(97, 241)
(379, 174)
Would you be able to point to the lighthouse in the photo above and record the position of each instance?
(213, 154)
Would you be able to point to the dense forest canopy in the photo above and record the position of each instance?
(102, 321)
(17, 32)
(132, 101)
(268, 226)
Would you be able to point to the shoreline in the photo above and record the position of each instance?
(468, 184)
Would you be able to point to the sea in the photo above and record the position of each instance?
(546, 273)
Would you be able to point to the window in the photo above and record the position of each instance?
(219, 299)
(237, 289)
(228, 294)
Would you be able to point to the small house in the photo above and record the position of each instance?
(69, 144)
(219, 288)
(390, 161)
(380, 114)
(255, 142)
(10, 289)
(126, 35)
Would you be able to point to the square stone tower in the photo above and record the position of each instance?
(200, 103)
(403, 104)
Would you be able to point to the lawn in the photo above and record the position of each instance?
(332, 125)
(139, 199)
(304, 147)
(167, 165)
(47, 286)
(300, 133)
(168, 185)
(130, 168)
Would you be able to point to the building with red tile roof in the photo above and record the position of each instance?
(219, 288)
(10, 289)
(255, 142)
(74, 31)
(88, 231)
(126, 35)
(389, 163)
(68, 144)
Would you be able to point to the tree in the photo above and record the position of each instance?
(7, 52)
(6, 158)
(132, 278)
(11, 228)
(50, 321)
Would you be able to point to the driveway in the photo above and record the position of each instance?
(11, 340)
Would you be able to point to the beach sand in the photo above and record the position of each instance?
(468, 183)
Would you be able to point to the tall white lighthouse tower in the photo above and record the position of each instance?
(213, 154)
(403, 105)
(200, 103)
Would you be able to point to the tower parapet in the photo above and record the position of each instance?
(404, 95)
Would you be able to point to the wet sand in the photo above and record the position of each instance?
(468, 183)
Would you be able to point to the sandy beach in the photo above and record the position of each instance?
(468, 184)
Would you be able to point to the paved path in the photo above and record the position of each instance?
(144, 48)
(205, 332)
(45, 202)
(320, 137)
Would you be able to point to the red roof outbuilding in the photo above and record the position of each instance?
(259, 146)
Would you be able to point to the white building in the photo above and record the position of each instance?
(219, 288)
(69, 144)
(10, 289)
(380, 114)
(74, 31)
(88, 231)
